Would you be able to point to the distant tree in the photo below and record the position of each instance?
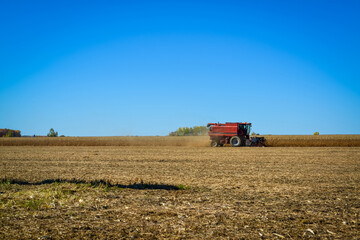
(192, 131)
(200, 130)
(9, 133)
(316, 133)
(52, 133)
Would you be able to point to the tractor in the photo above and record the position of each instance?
(234, 133)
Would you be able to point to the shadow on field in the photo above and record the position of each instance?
(96, 183)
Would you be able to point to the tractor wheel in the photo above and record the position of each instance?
(214, 144)
(235, 141)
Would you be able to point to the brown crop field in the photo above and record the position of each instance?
(201, 141)
(313, 140)
(177, 188)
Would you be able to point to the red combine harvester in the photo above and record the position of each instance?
(237, 134)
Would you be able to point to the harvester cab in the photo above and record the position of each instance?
(245, 129)
(235, 133)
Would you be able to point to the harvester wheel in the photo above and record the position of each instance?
(235, 141)
(214, 144)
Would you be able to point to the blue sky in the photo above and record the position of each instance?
(108, 68)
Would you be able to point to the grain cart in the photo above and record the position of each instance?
(234, 133)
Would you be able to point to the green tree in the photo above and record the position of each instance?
(200, 130)
(9, 133)
(52, 133)
(190, 131)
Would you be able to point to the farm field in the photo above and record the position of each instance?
(180, 192)
(198, 141)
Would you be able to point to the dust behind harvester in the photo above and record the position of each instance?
(236, 134)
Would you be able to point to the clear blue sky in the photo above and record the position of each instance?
(105, 68)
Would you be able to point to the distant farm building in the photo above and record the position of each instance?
(4, 132)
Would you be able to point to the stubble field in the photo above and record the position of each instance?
(181, 192)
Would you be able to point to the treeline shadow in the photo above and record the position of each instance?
(96, 183)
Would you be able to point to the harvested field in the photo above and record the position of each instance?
(190, 141)
(64, 192)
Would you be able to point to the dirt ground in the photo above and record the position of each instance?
(112, 192)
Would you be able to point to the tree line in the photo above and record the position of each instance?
(9, 133)
(190, 131)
